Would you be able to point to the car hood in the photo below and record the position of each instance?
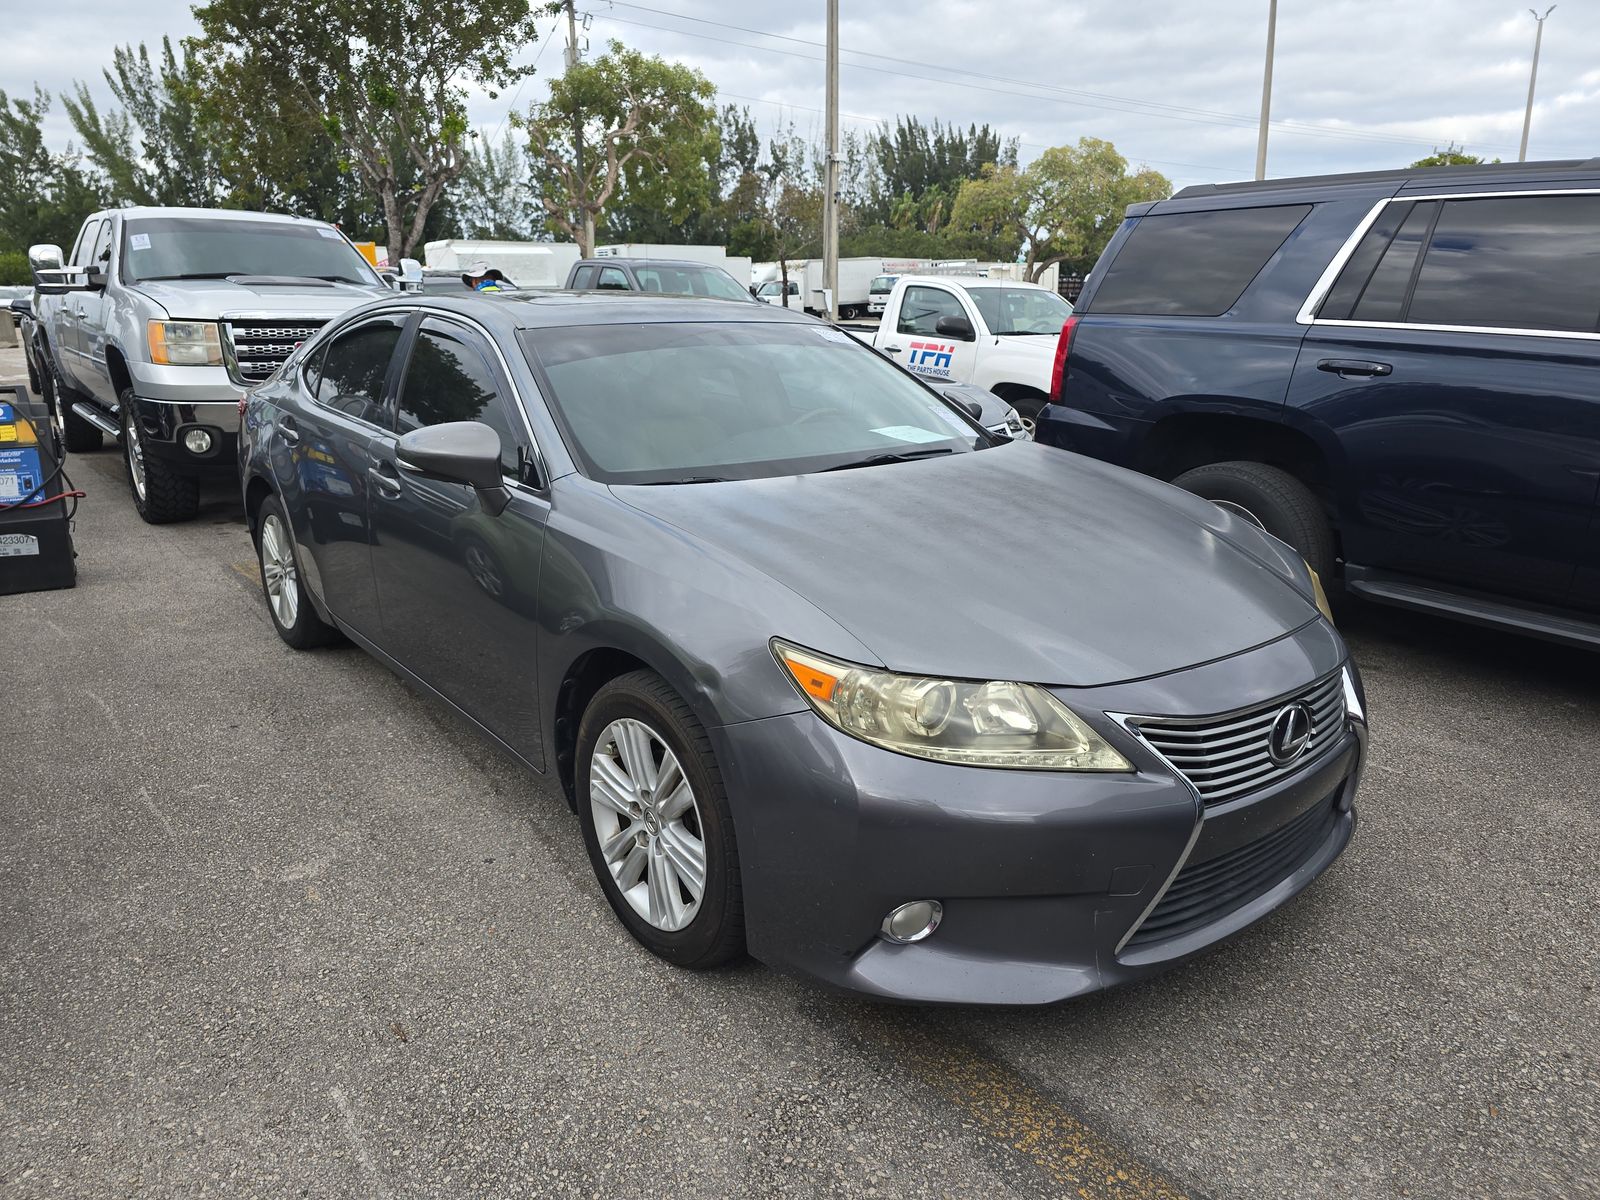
(1016, 562)
(213, 299)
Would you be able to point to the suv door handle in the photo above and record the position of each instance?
(893, 349)
(1347, 367)
(288, 431)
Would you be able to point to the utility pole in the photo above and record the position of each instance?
(577, 128)
(1533, 78)
(1266, 91)
(830, 199)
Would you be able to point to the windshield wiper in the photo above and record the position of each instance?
(893, 456)
(188, 275)
(689, 479)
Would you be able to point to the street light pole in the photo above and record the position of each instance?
(830, 199)
(1533, 78)
(1266, 92)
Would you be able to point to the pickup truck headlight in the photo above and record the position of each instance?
(185, 344)
(975, 724)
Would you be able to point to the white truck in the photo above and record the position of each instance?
(806, 289)
(996, 334)
(526, 264)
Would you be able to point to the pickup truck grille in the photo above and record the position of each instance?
(1226, 756)
(259, 346)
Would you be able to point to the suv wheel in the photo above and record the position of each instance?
(77, 435)
(1271, 498)
(656, 822)
(161, 494)
(293, 615)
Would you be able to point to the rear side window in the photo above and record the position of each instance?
(584, 280)
(1194, 264)
(1524, 262)
(612, 279)
(354, 368)
(1383, 296)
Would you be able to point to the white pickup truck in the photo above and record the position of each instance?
(998, 335)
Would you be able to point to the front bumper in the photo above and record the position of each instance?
(166, 422)
(1044, 877)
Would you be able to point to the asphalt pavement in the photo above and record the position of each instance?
(273, 924)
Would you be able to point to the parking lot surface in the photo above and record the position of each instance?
(273, 924)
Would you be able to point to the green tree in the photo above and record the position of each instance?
(493, 198)
(624, 123)
(1451, 156)
(791, 203)
(159, 147)
(387, 78)
(1063, 208)
(44, 197)
(927, 164)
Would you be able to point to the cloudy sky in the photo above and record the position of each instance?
(1359, 84)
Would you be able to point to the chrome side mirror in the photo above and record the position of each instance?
(44, 257)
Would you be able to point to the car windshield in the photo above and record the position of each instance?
(883, 283)
(198, 248)
(1019, 310)
(693, 402)
(688, 280)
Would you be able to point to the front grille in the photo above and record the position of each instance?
(1226, 756)
(259, 346)
(1208, 891)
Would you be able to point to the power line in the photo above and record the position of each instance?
(1152, 108)
(523, 82)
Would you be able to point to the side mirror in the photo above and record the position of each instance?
(410, 271)
(391, 280)
(974, 409)
(94, 278)
(955, 327)
(457, 452)
(45, 257)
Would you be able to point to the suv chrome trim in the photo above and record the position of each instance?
(1324, 283)
(1320, 289)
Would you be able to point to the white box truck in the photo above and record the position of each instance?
(806, 285)
(526, 264)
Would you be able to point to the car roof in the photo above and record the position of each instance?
(613, 260)
(1401, 178)
(555, 309)
(971, 281)
(210, 214)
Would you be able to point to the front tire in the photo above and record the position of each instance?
(293, 615)
(1273, 499)
(160, 493)
(656, 823)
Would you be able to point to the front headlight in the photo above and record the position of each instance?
(950, 720)
(185, 344)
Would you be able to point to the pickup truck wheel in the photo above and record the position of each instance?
(77, 435)
(1271, 498)
(293, 615)
(161, 495)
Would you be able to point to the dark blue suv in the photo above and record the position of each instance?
(1397, 373)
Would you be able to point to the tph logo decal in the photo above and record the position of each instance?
(931, 358)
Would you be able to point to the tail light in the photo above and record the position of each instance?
(1058, 372)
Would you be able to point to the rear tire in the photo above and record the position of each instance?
(1273, 499)
(160, 493)
(293, 615)
(77, 435)
(649, 823)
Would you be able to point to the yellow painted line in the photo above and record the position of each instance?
(1008, 1108)
(250, 570)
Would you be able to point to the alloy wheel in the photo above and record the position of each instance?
(130, 438)
(278, 573)
(647, 823)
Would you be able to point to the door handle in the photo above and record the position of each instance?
(289, 431)
(893, 349)
(384, 478)
(1345, 368)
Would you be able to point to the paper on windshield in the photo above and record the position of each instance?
(910, 433)
(139, 241)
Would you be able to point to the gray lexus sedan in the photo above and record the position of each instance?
(756, 598)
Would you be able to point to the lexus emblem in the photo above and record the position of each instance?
(1291, 732)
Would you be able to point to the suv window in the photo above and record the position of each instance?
(584, 280)
(80, 247)
(1532, 262)
(1383, 298)
(921, 308)
(612, 278)
(448, 378)
(355, 366)
(1194, 264)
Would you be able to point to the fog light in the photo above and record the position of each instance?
(198, 441)
(912, 922)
